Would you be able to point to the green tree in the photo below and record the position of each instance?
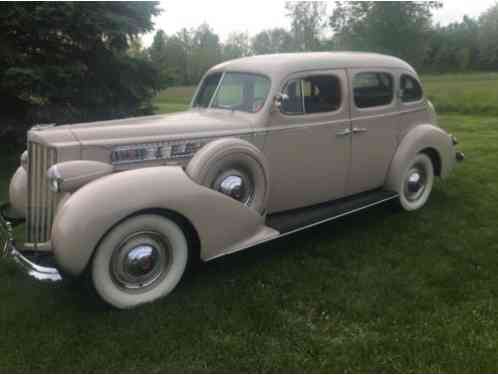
(307, 23)
(185, 38)
(275, 40)
(399, 28)
(69, 61)
(488, 38)
(454, 47)
(237, 45)
(157, 50)
(206, 51)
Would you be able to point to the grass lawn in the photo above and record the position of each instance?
(380, 291)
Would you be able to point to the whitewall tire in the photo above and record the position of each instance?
(416, 183)
(140, 260)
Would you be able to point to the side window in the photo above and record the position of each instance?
(373, 89)
(320, 93)
(294, 103)
(411, 91)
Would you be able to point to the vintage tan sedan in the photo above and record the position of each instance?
(270, 145)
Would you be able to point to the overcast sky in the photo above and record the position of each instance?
(255, 15)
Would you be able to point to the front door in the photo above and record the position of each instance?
(307, 143)
(374, 115)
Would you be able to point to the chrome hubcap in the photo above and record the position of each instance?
(140, 261)
(415, 183)
(235, 184)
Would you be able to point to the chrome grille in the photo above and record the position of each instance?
(41, 201)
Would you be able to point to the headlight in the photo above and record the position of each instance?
(69, 176)
(54, 179)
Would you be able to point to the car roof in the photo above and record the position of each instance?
(281, 65)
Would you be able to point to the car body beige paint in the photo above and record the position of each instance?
(307, 163)
(18, 192)
(77, 230)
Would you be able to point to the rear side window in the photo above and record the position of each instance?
(411, 91)
(373, 89)
(314, 94)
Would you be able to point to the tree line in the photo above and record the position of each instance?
(65, 62)
(404, 29)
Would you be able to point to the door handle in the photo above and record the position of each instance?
(359, 130)
(343, 132)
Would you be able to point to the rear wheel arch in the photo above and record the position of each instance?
(435, 157)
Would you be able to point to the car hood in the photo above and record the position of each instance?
(192, 123)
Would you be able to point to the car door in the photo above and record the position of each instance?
(374, 113)
(307, 143)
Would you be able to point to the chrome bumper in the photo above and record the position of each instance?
(17, 255)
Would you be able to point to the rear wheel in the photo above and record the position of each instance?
(139, 261)
(417, 183)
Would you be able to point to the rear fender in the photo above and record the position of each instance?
(88, 214)
(418, 139)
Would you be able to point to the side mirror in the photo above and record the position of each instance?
(280, 99)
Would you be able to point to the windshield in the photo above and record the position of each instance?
(234, 91)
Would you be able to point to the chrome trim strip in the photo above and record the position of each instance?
(235, 250)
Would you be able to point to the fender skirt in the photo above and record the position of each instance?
(221, 222)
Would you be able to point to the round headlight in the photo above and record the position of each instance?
(54, 179)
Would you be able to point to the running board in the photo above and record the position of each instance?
(295, 220)
(285, 223)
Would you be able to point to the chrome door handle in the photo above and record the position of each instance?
(359, 130)
(343, 132)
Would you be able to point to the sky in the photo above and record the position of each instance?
(253, 16)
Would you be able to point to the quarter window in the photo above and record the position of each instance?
(314, 94)
(411, 91)
(373, 89)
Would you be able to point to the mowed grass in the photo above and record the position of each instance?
(380, 291)
(174, 99)
(464, 93)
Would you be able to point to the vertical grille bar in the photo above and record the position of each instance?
(41, 201)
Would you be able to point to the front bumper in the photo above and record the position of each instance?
(27, 261)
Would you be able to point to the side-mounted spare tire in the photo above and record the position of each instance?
(233, 167)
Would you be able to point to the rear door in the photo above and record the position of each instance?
(374, 113)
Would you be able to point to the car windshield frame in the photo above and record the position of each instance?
(200, 102)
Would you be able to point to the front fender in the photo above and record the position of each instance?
(86, 216)
(418, 139)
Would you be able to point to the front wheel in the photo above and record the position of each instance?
(139, 261)
(416, 184)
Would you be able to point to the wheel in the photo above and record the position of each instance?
(416, 184)
(235, 168)
(139, 261)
